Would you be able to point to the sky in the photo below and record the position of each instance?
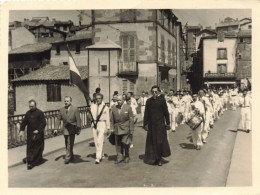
(205, 17)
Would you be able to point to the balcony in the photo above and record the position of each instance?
(127, 69)
(220, 75)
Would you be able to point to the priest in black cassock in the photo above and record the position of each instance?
(156, 122)
(35, 121)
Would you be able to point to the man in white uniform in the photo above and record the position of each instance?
(102, 125)
(207, 107)
(198, 107)
(245, 104)
(142, 101)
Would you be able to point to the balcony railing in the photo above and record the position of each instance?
(220, 75)
(127, 68)
(14, 123)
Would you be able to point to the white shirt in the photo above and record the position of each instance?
(104, 120)
(245, 101)
(133, 102)
(142, 101)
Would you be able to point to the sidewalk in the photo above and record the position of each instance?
(16, 155)
(240, 171)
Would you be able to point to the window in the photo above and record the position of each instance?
(169, 53)
(132, 86)
(124, 85)
(129, 48)
(173, 55)
(65, 28)
(222, 53)
(241, 40)
(222, 68)
(162, 49)
(53, 92)
(57, 50)
(103, 68)
(239, 56)
(77, 48)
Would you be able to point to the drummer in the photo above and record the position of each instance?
(197, 107)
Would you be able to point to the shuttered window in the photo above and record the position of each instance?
(129, 48)
(169, 53)
(222, 53)
(132, 86)
(124, 85)
(162, 49)
(53, 92)
(222, 68)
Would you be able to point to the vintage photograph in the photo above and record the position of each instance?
(117, 98)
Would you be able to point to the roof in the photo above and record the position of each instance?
(50, 28)
(52, 73)
(244, 33)
(206, 31)
(107, 44)
(79, 36)
(31, 48)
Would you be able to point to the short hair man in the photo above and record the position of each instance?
(35, 121)
(123, 127)
(71, 125)
(101, 118)
(155, 117)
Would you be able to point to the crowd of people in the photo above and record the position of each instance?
(162, 112)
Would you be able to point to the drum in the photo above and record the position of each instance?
(194, 122)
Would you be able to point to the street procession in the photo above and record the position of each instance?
(162, 112)
(129, 98)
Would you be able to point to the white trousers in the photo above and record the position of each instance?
(98, 135)
(173, 120)
(245, 121)
(142, 111)
(196, 135)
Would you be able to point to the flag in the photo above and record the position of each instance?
(75, 77)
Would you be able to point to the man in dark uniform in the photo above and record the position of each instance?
(155, 116)
(71, 118)
(35, 121)
(123, 128)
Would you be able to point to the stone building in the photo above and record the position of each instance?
(148, 39)
(244, 67)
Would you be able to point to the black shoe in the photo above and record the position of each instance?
(29, 166)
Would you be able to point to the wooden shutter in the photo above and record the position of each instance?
(124, 85)
(132, 48)
(125, 48)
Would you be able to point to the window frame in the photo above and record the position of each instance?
(55, 94)
(102, 66)
(221, 64)
(219, 57)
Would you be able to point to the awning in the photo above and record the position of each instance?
(220, 82)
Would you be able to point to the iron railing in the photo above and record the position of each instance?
(14, 123)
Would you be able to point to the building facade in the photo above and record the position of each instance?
(216, 63)
(148, 39)
(244, 57)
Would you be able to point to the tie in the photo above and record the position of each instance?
(244, 101)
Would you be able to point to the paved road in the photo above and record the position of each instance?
(186, 167)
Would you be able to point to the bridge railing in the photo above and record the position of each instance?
(14, 123)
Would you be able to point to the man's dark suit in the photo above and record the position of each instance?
(123, 125)
(71, 116)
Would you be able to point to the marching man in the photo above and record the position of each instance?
(100, 125)
(245, 104)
